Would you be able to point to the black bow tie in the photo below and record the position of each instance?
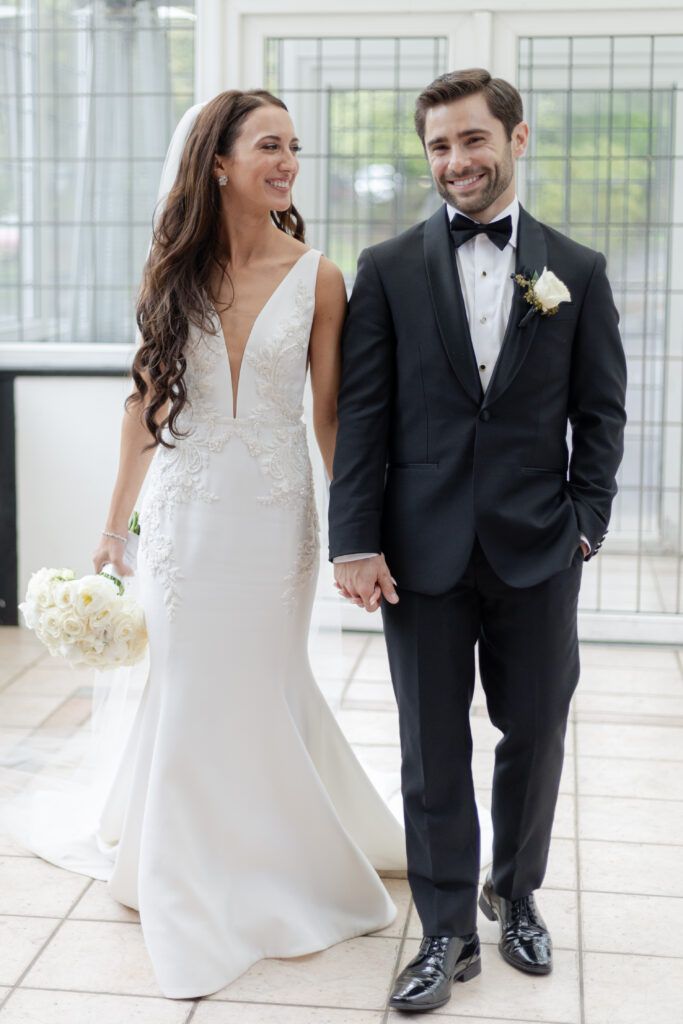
(499, 231)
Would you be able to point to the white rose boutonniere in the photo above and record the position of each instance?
(544, 292)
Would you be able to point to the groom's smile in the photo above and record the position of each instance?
(470, 156)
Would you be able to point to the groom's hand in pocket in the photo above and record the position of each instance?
(365, 581)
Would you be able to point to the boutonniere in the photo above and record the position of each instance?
(543, 292)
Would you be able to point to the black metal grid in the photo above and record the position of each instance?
(352, 100)
(605, 164)
(60, 131)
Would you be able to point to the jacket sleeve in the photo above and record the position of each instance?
(596, 408)
(364, 413)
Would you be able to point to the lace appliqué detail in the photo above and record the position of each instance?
(272, 431)
(278, 439)
(175, 476)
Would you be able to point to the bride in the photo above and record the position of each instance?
(242, 824)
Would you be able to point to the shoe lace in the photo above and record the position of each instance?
(434, 946)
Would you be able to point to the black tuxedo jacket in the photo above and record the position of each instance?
(425, 461)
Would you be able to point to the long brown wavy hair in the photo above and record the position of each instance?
(187, 244)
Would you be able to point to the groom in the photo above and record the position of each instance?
(461, 374)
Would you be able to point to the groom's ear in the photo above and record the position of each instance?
(519, 139)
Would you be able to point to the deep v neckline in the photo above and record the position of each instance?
(235, 386)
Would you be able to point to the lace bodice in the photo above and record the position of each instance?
(268, 425)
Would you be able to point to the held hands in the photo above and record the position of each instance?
(110, 550)
(365, 581)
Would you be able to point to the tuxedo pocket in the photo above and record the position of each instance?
(542, 471)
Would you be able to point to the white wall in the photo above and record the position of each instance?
(67, 452)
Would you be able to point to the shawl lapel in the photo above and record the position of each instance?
(532, 255)
(449, 306)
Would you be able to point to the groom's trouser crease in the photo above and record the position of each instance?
(528, 651)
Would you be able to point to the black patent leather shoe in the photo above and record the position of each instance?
(426, 983)
(524, 939)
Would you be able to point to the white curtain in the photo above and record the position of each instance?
(126, 52)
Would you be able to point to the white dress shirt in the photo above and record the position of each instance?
(485, 273)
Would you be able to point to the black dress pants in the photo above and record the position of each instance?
(529, 667)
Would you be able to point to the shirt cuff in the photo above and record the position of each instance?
(354, 558)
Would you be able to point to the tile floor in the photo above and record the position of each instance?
(613, 898)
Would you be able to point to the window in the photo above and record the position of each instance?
(363, 170)
(606, 166)
(89, 96)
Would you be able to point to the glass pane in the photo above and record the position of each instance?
(605, 165)
(92, 94)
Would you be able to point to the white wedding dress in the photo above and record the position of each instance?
(243, 824)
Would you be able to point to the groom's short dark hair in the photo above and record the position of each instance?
(502, 99)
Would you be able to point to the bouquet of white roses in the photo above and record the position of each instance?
(87, 621)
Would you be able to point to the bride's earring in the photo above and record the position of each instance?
(222, 181)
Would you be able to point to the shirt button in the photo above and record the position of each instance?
(482, 319)
(483, 273)
(482, 366)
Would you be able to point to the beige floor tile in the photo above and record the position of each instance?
(501, 992)
(620, 679)
(29, 711)
(97, 905)
(354, 974)
(48, 660)
(632, 989)
(630, 655)
(630, 820)
(637, 868)
(34, 887)
(46, 682)
(71, 713)
(616, 776)
(649, 925)
(17, 640)
(337, 666)
(9, 671)
(365, 695)
(659, 742)
(260, 1013)
(379, 758)
(561, 873)
(96, 956)
(20, 939)
(373, 669)
(639, 707)
(31, 1006)
(370, 726)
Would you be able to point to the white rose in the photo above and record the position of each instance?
(63, 594)
(41, 587)
(51, 624)
(92, 595)
(39, 578)
(73, 626)
(550, 291)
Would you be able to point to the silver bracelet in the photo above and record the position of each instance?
(116, 536)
